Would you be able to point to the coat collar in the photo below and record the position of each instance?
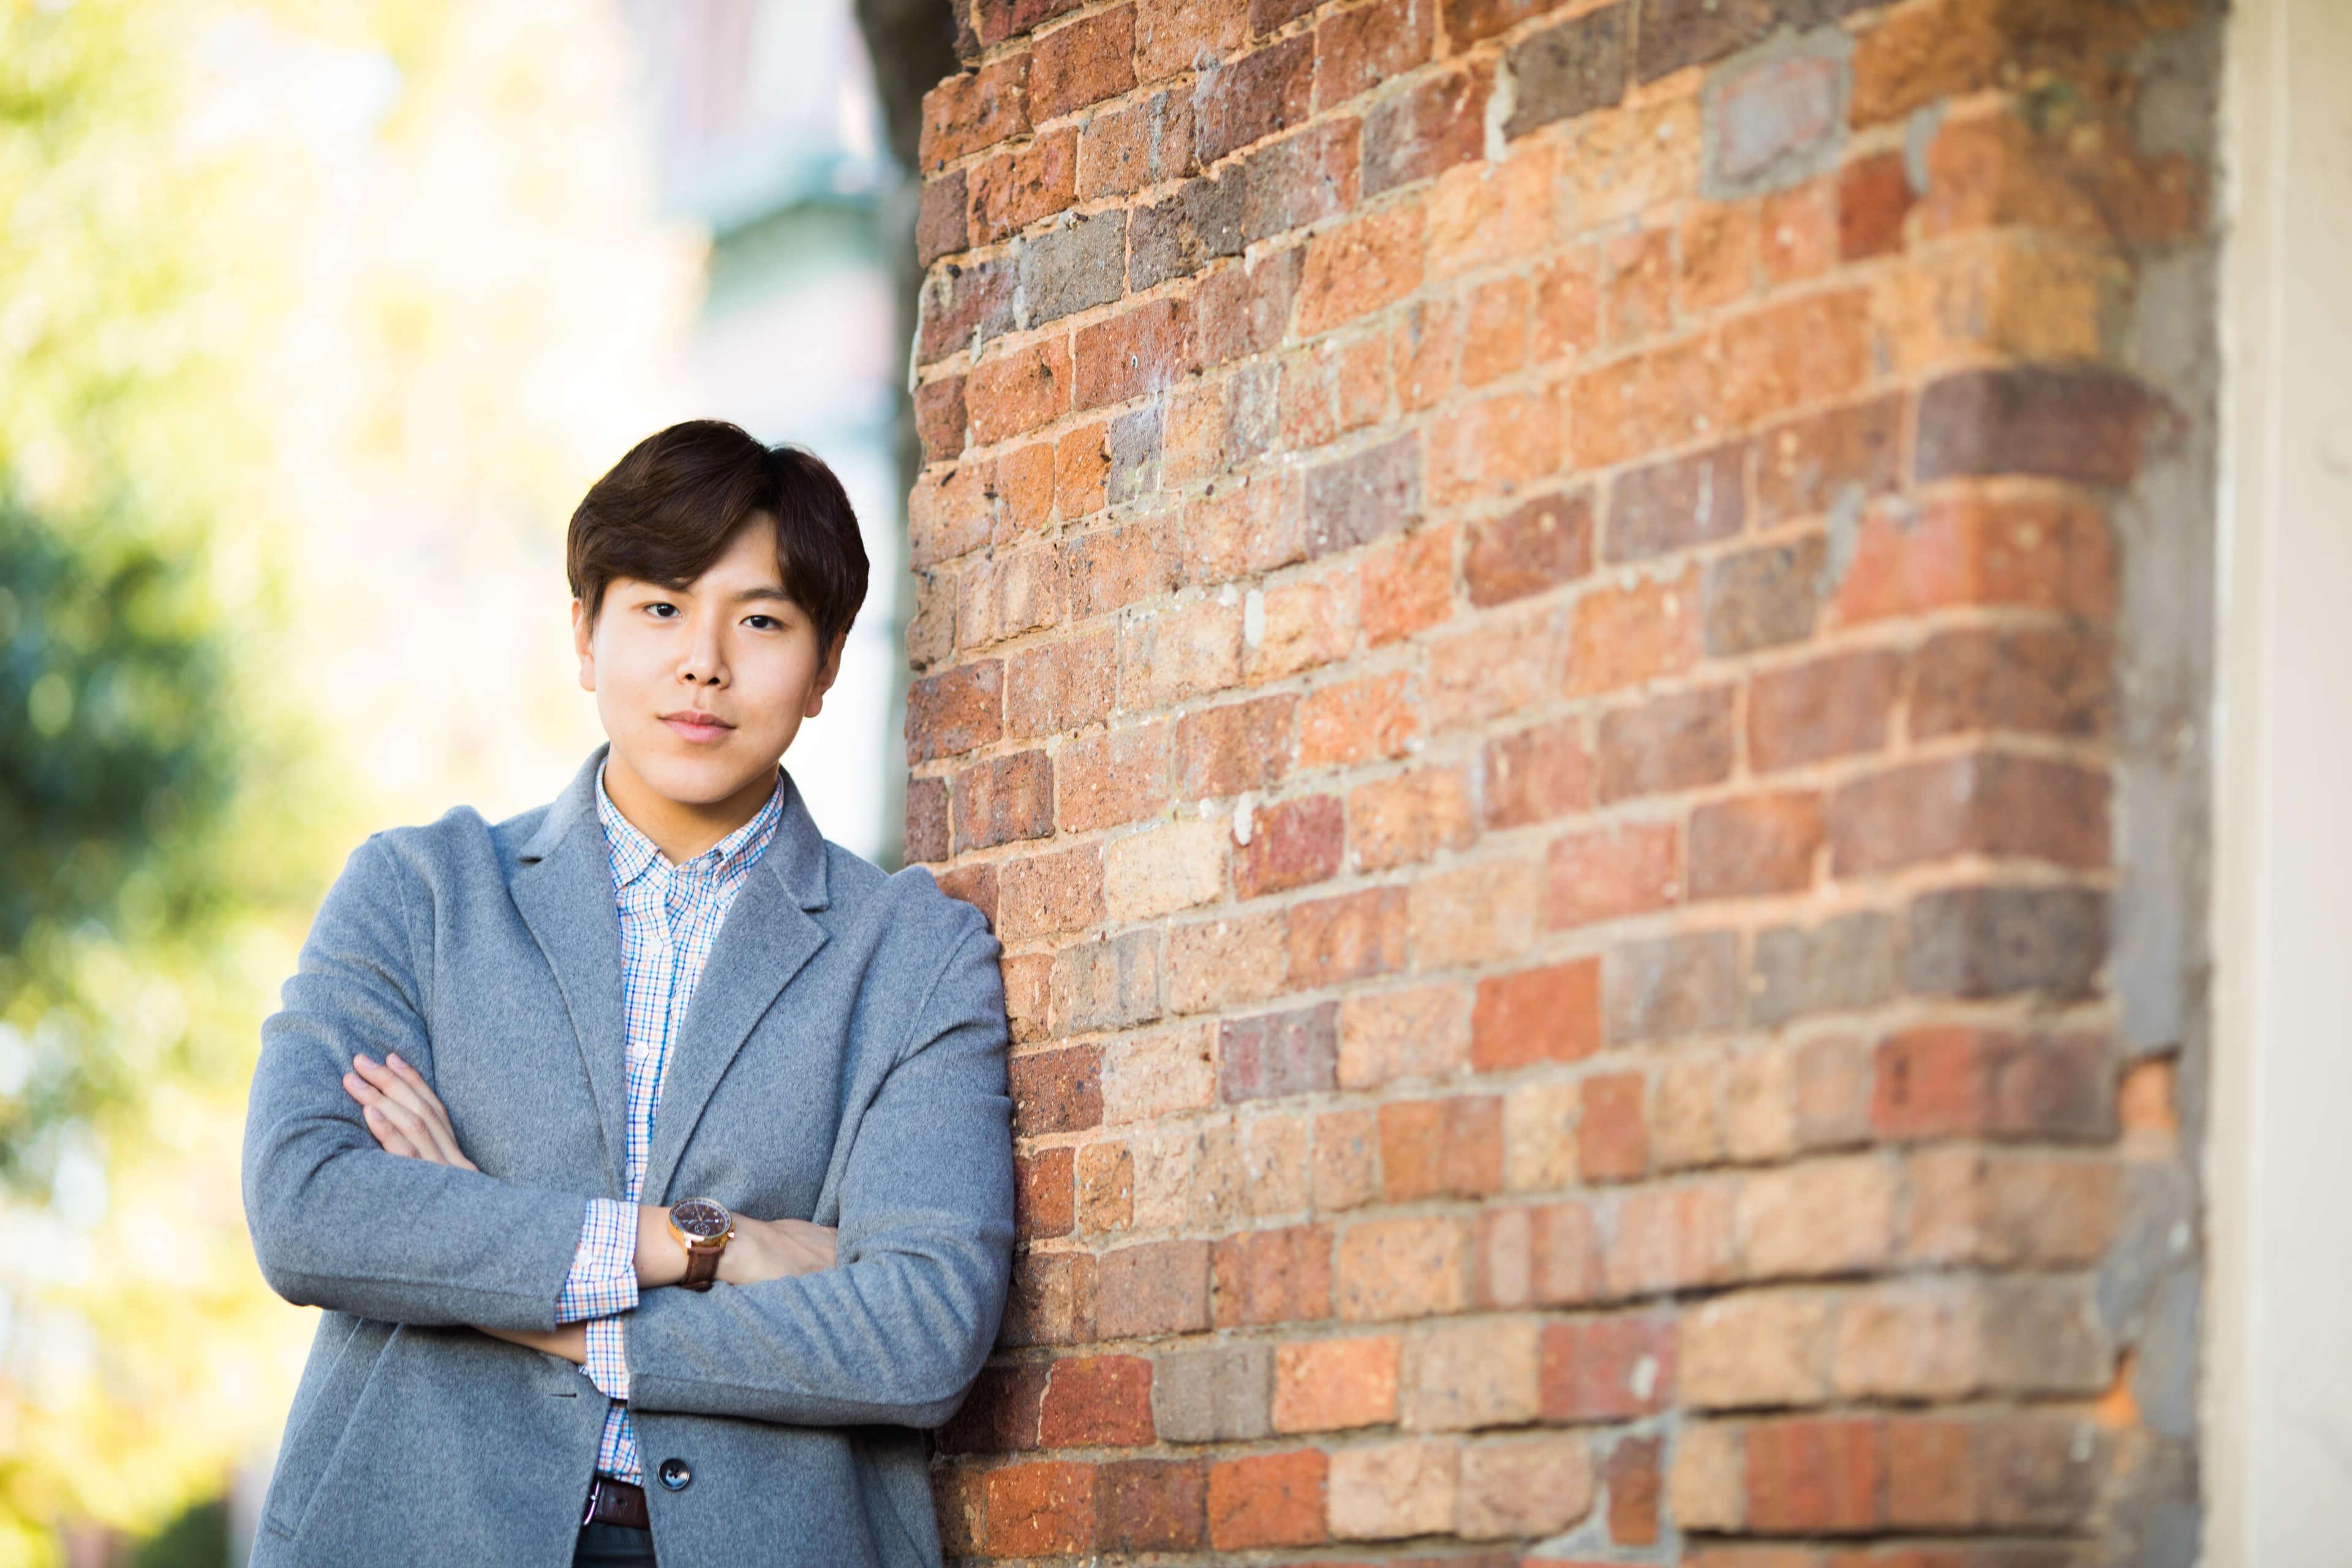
(564, 887)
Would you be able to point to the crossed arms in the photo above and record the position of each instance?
(892, 1333)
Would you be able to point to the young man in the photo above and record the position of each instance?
(649, 1153)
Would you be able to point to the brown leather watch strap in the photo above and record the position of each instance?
(702, 1267)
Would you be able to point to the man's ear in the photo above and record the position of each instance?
(825, 675)
(582, 631)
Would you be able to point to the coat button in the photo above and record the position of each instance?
(675, 1474)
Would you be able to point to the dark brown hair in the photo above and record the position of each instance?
(677, 501)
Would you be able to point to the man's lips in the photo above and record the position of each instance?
(696, 726)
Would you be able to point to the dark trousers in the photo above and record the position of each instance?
(614, 1546)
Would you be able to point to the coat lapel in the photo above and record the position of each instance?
(765, 939)
(564, 887)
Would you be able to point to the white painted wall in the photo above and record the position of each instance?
(2278, 1385)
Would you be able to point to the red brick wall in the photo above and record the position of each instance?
(1530, 628)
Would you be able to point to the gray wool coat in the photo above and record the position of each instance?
(842, 1061)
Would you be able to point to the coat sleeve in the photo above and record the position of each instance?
(336, 1221)
(896, 1331)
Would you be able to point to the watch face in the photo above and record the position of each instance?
(700, 1219)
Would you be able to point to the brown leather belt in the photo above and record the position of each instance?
(617, 1502)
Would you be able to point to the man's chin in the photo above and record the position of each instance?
(697, 775)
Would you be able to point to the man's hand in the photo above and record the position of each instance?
(403, 1111)
(773, 1248)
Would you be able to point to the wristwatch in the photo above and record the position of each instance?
(702, 1226)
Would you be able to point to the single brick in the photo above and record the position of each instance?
(1610, 1367)
(1842, 965)
(1274, 1054)
(1356, 51)
(1755, 845)
(1299, 180)
(1044, 1193)
(1627, 869)
(1873, 200)
(1272, 1276)
(1389, 1490)
(1536, 546)
(1152, 1505)
(1631, 1478)
(1267, 1499)
(1472, 1371)
(1976, 804)
(1013, 393)
(1158, 1288)
(1953, 1080)
(1997, 941)
(961, 305)
(1406, 1268)
(1086, 62)
(1327, 1385)
(1678, 742)
(1000, 1415)
(1179, 234)
(1106, 779)
(1775, 121)
(1524, 1487)
(1214, 1395)
(1765, 597)
(973, 109)
(1661, 987)
(1011, 190)
(1361, 266)
(1817, 1475)
(1043, 1510)
(1098, 1401)
(1074, 268)
(2091, 426)
(1437, 123)
(1828, 707)
(1441, 1148)
(1348, 937)
(1570, 70)
(1142, 349)
(1537, 773)
(1552, 1014)
(1612, 1128)
(1245, 308)
(1222, 751)
(1002, 799)
(2031, 680)
(939, 418)
(1677, 504)
(1355, 499)
(1291, 844)
(1108, 984)
(1253, 98)
(955, 711)
(1055, 1091)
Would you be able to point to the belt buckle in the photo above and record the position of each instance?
(596, 1485)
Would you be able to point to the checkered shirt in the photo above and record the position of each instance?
(670, 916)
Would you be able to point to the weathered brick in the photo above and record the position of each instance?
(1111, 778)
(1041, 1510)
(1408, 818)
(1535, 546)
(1217, 1395)
(1086, 62)
(955, 711)
(1390, 1035)
(960, 306)
(1142, 349)
(1272, 1276)
(971, 111)
(1361, 266)
(1995, 942)
(1660, 987)
(1011, 190)
(1075, 267)
(1612, 1131)
(1003, 799)
(1976, 804)
(1226, 749)
(1841, 965)
(1677, 504)
(1299, 180)
(1355, 499)
(1158, 1288)
(1180, 233)
(1817, 1476)
(1348, 937)
(1524, 1487)
(1245, 308)
(2031, 681)
(1437, 123)
(1403, 1268)
(1754, 845)
(1441, 1148)
(2092, 425)
(1628, 869)
(1152, 1505)
(1765, 597)
(1954, 1080)
(1674, 742)
(1570, 70)
(1291, 844)
(1536, 775)
(1254, 97)
(1389, 1490)
(1044, 1193)
(1356, 51)
(2034, 553)
(1327, 1385)
(1098, 1401)
(1018, 390)
(1273, 1054)
(927, 819)
(1776, 120)
(1108, 984)
(1830, 707)
(1608, 1367)
(1633, 630)
(1356, 720)
(1172, 35)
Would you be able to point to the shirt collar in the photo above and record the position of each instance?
(633, 854)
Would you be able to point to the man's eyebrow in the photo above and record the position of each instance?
(765, 591)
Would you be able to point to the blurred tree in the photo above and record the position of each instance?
(311, 312)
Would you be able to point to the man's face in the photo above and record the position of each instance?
(730, 647)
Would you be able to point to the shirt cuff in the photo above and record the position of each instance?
(608, 1358)
(603, 1275)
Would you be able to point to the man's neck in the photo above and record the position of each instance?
(682, 829)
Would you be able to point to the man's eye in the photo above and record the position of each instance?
(770, 619)
(661, 604)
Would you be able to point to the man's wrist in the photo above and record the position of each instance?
(660, 1259)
